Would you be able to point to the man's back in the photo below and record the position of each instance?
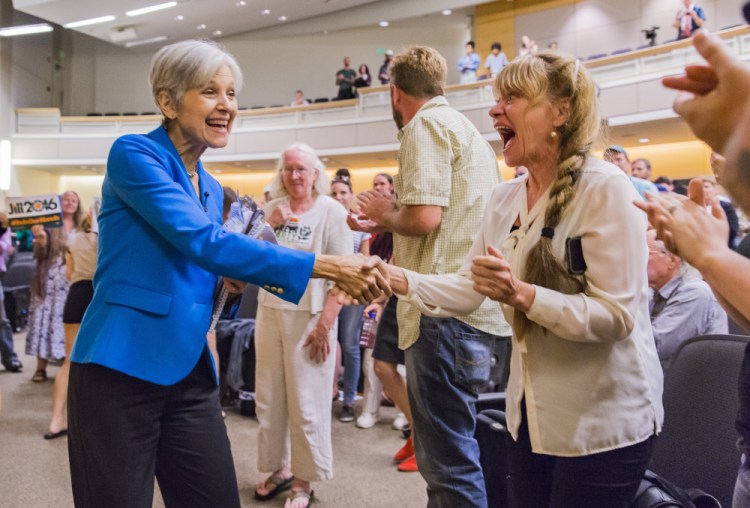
(443, 161)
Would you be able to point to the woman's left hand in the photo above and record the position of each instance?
(493, 278)
(319, 344)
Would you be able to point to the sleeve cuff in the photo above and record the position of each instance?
(547, 308)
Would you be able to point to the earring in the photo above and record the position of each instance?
(553, 134)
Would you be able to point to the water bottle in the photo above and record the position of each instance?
(369, 330)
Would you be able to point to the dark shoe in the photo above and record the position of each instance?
(279, 485)
(39, 376)
(55, 435)
(15, 366)
(347, 414)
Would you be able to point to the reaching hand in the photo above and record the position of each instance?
(361, 223)
(359, 279)
(318, 340)
(714, 97)
(376, 206)
(280, 215)
(493, 278)
(684, 225)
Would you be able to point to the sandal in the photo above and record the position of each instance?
(299, 494)
(39, 376)
(279, 484)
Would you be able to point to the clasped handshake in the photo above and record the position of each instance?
(359, 279)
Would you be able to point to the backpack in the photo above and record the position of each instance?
(656, 492)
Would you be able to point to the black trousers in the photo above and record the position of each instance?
(601, 480)
(124, 431)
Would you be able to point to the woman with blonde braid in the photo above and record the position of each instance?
(564, 256)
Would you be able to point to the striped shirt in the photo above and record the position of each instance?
(444, 161)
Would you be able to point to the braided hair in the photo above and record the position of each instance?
(561, 79)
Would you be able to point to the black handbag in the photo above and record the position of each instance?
(657, 492)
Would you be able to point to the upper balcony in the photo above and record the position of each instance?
(631, 96)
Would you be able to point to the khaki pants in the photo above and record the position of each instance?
(292, 395)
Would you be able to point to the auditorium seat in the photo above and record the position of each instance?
(621, 51)
(112, 113)
(94, 114)
(147, 113)
(595, 56)
(130, 113)
(321, 99)
(697, 446)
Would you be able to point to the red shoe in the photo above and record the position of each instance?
(409, 465)
(405, 452)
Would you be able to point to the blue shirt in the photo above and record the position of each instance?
(495, 63)
(469, 63)
(643, 186)
(682, 309)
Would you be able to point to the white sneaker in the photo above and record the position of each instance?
(400, 423)
(367, 420)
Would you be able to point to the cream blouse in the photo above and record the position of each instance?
(591, 378)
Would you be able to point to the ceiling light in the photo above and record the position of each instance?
(265, 12)
(86, 22)
(384, 24)
(241, 3)
(179, 18)
(216, 33)
(446, 12)
(202, 26)
(25, 30)
(282, 18)
(146, 41)
(644, 140)
(153, 8)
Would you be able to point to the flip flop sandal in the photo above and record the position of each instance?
(297, 494)
(280, 484)
(39, 376)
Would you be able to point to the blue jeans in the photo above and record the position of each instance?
(445, 369)
(350, 328)
(7, 356)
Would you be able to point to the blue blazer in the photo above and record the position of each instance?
(160, 247)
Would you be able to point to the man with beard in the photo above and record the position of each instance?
(446, 174)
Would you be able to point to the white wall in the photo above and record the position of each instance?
(602, 26)
(273, 67)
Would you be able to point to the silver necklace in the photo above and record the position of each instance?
(192, 173)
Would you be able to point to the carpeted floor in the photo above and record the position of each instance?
(34, 473)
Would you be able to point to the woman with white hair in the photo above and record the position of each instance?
(294, 370)
(143, 389)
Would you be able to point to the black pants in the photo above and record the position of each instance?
(602, 480)
(123, 431)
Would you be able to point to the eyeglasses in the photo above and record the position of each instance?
(300, 171)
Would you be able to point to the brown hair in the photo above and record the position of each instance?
(56, 247)
(420, 71)
(561, 79)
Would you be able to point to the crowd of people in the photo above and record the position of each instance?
(451, 262)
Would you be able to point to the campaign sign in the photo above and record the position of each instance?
(28, 211)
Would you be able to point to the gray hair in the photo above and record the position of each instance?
(320, 186)
(185, 65)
